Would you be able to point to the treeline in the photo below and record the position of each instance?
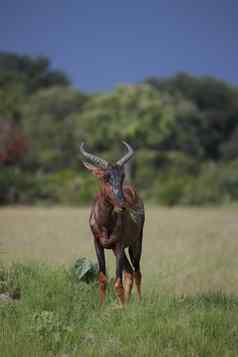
(184, 130)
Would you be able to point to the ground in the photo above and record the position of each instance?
(189, 305)
(185, 250)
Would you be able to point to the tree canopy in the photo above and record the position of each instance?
(184, 130)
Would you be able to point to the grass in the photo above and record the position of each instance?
(185, 251)
(58, 316)
(190, 298)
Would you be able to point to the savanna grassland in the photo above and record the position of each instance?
(190, 290)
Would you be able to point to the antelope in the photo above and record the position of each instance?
(116, 221)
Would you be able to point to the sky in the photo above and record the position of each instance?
(101, 44)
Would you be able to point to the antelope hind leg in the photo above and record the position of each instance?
(128, 278)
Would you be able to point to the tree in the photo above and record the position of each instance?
(48, 124)
(229, 149)
(20, 77)
(134, 113)
(33, 73)
(13, 143)
(216, 100)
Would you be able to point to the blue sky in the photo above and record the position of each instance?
(101, 44)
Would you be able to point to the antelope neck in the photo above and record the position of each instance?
(108, 202)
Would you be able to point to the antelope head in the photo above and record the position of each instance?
(111, 175)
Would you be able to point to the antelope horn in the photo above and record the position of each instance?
(97, 160)
(127, 156)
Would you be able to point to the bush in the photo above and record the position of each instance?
(215, 184)
(63, 187)
(180, 180)
(229, 180)
(169, 189)
(84, 270)
(15, 186)
(203, 191)
(175, 172)
(69, 187)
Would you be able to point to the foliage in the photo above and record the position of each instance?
(84, 270)
(19, 187)
(129, 113)
(229, 149)
(13, 143)
(177, 125)
(206, 189)
(12, 98)
(65, 187)
(22, 75)
(216, 102)
(33, 72)
(214, 185)
(10, 181)
(50, 128)
(169, 190)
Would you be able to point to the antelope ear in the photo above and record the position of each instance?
(95, 170)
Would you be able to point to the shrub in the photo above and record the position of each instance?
(14, 185)
(207, 188)
(69, 187)
(84, 270)
(214, 184)
(229, 180)
(169, 189)
(17, 186)
(64, 187)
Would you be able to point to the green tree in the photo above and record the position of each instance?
(134, 113)
(48, 124)
(33, 73)
(20, 76)
(216, 101)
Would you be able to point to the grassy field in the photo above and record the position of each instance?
(189, 267)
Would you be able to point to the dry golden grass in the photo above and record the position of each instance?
(185, 250)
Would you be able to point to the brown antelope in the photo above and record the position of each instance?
(116, 221)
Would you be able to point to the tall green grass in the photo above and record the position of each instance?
(58, 316)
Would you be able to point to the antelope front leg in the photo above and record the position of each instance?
(119, 252)
(102, 271)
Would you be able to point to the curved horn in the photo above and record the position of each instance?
(127, 156)
(97, 160)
